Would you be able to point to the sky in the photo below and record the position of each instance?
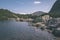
(27, 6)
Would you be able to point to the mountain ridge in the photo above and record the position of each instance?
(55, 10)
(38, 13)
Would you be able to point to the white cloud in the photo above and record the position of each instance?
(37, 2)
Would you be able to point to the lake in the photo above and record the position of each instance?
(12, 30)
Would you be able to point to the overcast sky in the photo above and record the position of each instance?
(27, 6)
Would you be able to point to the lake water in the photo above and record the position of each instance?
(12, 30)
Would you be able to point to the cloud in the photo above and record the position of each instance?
(37, 2)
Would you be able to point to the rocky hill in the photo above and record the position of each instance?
(38, 13)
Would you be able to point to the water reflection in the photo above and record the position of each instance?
(12, 30)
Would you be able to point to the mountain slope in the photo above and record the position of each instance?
(4, 14)
(55, 11)
(38, 13)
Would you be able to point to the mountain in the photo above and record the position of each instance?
(38, 13)
(55, 10)
(4, 14)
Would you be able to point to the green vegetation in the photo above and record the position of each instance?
(45, 14)
(25, 16)
(55, 11)
(5, 14)
(38, 19)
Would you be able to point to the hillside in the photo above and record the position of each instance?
(55, 11)
(4, 14)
